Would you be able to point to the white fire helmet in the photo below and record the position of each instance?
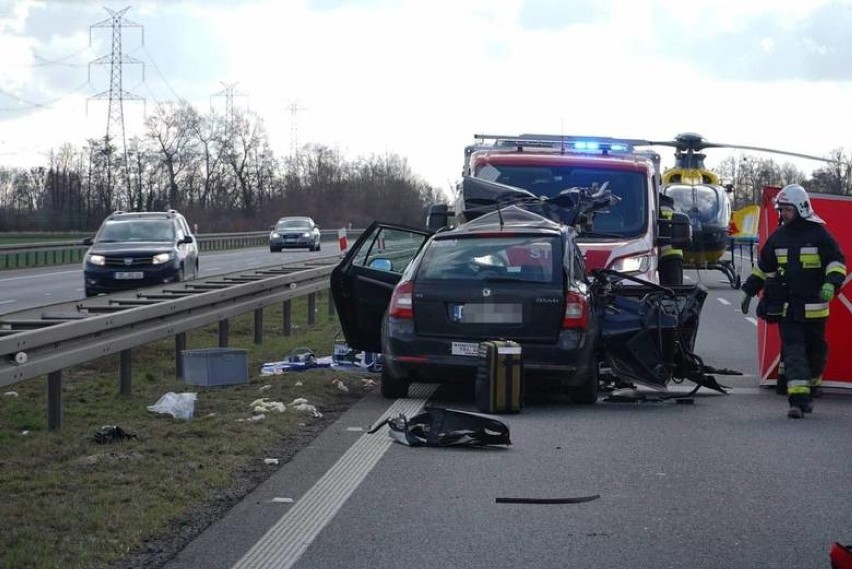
(796, 196)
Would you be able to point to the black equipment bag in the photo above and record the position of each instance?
(500, 377)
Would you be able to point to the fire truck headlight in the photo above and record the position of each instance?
(632, 265)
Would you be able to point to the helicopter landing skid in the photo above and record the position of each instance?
(726, 267)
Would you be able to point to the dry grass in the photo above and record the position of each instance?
(69, 502)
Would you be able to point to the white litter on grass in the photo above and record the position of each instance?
(298, 384)
(308, 409)
(298, 401)
(340, 386)
(270, 461)
(267, 405)
(10, 394)
(263, 388)
(25, 433)
(178, 405)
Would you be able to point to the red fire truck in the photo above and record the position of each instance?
(630, 237)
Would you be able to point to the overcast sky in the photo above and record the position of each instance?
(418, 78)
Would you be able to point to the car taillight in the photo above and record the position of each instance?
(402, 301)
(576, 311)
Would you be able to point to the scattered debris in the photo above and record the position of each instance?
(270, 461)
(278, 500)
(307, 408)
(577, 500)
(178, 405)
(10, 394)
(340, 386)
(368, 383)
(112, 434)
(267, 405)
(266, 387)
(445, 427)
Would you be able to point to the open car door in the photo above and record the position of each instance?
(362, 283)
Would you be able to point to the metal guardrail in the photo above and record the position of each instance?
(65, 252)
(31, 348)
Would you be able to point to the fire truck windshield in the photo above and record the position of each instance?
(625, 219)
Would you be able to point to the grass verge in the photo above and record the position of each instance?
(70, 502)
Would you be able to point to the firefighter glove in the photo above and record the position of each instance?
(826, 293)
(746, 302)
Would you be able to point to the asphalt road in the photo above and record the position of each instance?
(21, 289)
(727, 482)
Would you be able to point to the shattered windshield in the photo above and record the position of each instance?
(624, 219)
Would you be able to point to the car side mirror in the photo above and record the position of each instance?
(381, 264)
(676, 231)
(87, 241)
(187, 239)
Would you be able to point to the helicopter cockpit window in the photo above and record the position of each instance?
(699, 202)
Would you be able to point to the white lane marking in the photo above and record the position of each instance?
(724, 301)
(8, 301)
(752, 320)
(38, 276)
(286, 541)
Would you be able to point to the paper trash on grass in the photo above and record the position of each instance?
(266, 405)
(178, 405)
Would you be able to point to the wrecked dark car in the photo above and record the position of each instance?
(426, 300)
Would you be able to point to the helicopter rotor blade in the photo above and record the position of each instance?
(774, 151)
(694, 143)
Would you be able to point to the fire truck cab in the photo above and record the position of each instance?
(627, 238)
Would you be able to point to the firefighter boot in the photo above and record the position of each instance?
(795, 413)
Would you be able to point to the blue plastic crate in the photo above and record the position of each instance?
(215, 367)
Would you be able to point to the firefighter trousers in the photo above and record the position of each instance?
(805, 353)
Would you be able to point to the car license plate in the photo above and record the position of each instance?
(465, 349)
(487, 313)
(125, 276)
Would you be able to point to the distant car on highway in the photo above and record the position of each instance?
(296, 231)
(137, 249)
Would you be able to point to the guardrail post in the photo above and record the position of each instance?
(180, 346)
(258, 325)
(224, 328)
(331, 310)
(54, 400)
(124, 386)
(286, 318)
(312, 308)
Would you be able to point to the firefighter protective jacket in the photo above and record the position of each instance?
(801, 256)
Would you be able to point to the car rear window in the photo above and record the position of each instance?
(516, 258)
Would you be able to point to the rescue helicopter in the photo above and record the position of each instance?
(699, 193)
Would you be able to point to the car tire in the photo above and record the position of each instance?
(274, 250)
(587, 394)
(393, 388)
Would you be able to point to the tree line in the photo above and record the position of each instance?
(219, 171)
(749, 174)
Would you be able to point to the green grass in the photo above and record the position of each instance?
(28, 238)
(69, 502)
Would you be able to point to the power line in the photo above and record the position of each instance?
(116, 94)
(35, 105)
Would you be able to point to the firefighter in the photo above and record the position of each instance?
(800, 269)
(670, 265)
